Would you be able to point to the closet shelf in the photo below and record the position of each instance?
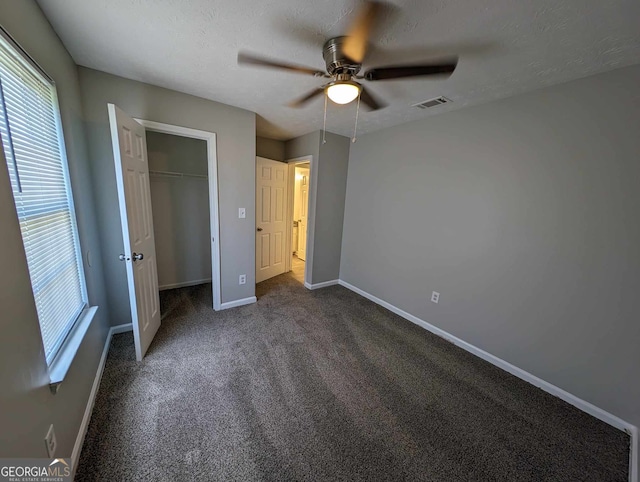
(177, 174)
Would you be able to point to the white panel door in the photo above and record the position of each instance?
(304, 207)
(132, 177)
(271, 224)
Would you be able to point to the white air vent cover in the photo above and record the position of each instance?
(432, 102)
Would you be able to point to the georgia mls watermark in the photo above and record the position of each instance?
(35, 470)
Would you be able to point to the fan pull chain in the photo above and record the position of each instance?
(355, 128)
(324, 126)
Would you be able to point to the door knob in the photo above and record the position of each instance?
(123, 257)
(259, 229)
(137, 257)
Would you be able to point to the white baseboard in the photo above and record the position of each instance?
(240, 302)
(77, 447)
(324, 284)
(518, 372)
(184, 284)
(115, 330)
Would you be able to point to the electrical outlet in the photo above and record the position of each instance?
(51, 442)
(243, 279)
(435, 296)
(242, 213)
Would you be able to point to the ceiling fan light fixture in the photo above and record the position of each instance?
(343, 92)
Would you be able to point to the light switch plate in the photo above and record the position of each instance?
(242, 213)
(435, 296)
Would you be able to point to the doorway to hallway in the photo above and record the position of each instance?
(300, 219)
(284, 218)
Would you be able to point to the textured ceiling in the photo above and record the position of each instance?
(505, 47)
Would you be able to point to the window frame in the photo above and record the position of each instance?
(60, 359)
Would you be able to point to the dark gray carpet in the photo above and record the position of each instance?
(326, 385)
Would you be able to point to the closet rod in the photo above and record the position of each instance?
(177, 174)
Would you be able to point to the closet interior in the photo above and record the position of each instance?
(178, 175)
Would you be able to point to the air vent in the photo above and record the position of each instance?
(432, 103)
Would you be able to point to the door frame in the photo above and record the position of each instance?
(311, 214)
(212, 164)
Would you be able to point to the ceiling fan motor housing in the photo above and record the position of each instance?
(343, 57)
(336, 61)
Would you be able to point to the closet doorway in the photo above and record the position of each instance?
(184, 202)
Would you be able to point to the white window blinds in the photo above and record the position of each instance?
(34, 151)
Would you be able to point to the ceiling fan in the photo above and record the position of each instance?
(344, 56)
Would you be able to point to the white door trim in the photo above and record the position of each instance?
(311, 211)
(210, 138)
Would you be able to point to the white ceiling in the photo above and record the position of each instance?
(505, 46)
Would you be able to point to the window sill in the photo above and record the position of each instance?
(61, 364)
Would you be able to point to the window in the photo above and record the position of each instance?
(34, 150)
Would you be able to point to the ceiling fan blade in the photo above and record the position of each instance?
(249, 59)
(371, 102)
(388, 73)
(303, 100)
(357, 38)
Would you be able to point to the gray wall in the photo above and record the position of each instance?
(235, 138)
(306, 145)
(523, 214)
(181, 222)
(28, 406)
(330, 171)
(270, 148)
(168, 152)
